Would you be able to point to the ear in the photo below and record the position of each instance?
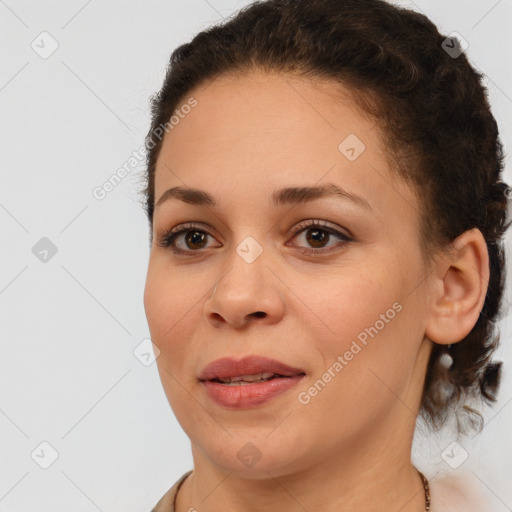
(459, 287)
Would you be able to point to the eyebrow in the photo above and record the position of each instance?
(283, 196)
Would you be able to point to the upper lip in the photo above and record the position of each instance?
(249, 365)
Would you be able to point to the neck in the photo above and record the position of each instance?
(373, 474)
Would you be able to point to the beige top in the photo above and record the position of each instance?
(168, 501)
(448, 493)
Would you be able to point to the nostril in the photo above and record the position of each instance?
(259, 314)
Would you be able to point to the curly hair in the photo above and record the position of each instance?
(434, 117)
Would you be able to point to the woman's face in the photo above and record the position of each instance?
(344, 301)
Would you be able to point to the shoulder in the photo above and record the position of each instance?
(456, 493)
(166, 502)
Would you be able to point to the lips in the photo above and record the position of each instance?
(227, 368)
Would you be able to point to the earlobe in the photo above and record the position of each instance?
(460, 282)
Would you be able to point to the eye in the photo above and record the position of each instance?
(195, 238)
(316, 233)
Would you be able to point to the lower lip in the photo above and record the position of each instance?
(248, 395)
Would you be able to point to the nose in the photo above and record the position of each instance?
(245, 293)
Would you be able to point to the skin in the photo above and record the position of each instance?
(349, 448)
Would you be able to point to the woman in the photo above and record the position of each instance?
(326, 210)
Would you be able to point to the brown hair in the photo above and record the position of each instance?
(434, 117)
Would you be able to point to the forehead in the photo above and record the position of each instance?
(259, 130)
(232, 108)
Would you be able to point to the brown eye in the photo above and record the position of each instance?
(193, 239)
(317, 236)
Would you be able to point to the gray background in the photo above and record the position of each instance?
(69, 325)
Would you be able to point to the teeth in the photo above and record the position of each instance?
(248, 378)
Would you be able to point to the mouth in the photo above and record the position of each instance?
(250, 382)
(243, 380)
(250, 369)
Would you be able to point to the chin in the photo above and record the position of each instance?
(256, 457)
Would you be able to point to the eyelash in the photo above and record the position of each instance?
(167, 239)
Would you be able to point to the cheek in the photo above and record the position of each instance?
(363, 369)
(365, 328)
(170, 317)
(156, 298)
(368, 359)
(351, 304)
(169, 303)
